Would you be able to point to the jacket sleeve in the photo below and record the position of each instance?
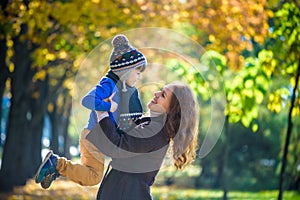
(116, 143)
(94, 99)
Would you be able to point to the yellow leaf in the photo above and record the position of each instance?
(50, 107)
(50, 56)
(296, 111)
(293, 81)
(62, 54)
(9, 43)
(40, 75)
(11, 67)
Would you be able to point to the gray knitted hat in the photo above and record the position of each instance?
(124, 56)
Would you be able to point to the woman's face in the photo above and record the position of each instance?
(161, 100)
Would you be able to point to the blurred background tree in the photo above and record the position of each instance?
(43, 42)
(285, 63)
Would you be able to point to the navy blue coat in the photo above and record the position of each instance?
(137, 155)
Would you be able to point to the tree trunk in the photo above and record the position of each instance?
(54, 124)
(3, 67)
(224, 173)
(288, 136)
(16, 157)
(66, 116)
(38, 109)
(59, 118)
(4, 74)
(22, 149)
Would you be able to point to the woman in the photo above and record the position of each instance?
(137, 154)
(126, 65)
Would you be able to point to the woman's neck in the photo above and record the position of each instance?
(155, 114)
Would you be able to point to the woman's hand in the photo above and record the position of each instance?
(101, 115)
(114, 105)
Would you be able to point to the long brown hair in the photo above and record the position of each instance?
(182, 124)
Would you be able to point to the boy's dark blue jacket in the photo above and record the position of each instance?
(129, 104)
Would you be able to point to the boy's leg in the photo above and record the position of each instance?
(89, 172)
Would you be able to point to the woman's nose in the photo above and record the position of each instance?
(157, 94)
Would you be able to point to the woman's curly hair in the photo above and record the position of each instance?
(182, 124)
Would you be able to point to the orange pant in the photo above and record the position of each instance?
(90, 171)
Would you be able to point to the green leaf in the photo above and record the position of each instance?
(246, 120)
(254, 127)
(259, 96)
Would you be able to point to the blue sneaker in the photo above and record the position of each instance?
(46, 182)
(47, 167)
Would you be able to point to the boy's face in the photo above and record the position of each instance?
(133, 77)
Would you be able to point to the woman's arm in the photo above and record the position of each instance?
(116, 143)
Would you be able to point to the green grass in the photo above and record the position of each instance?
(164, 193)
(63, 189)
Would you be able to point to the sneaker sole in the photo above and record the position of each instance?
(46, 182)
(42, 165)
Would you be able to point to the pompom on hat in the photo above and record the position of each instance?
(124, 56)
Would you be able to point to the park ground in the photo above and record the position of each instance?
(63, 189)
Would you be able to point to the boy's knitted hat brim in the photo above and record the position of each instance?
(124, 56)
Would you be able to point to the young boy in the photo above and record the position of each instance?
(126, 64)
